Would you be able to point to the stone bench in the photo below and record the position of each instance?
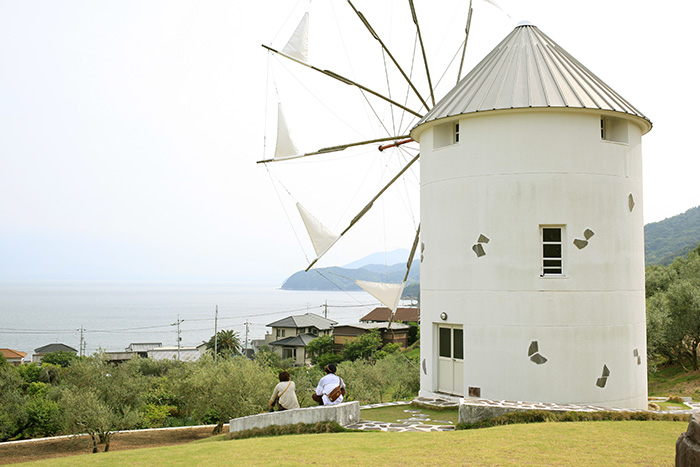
(344, 414)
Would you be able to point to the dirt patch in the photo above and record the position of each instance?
(81, 444)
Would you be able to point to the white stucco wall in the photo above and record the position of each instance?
(512, 172)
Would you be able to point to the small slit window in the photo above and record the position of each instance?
(445, 135)
(613, 129)
(552, 250)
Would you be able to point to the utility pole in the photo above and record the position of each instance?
(216, 334)
(179, 339)
(325, 310)
(82, 342)
(246, 337)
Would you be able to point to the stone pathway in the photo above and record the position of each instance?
(415, 421)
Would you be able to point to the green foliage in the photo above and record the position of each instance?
(227, 343)
(29, 373)
(3, 361)
(62, 358)
(322, 351)
(99, 398)
(44, 416)
(363, 347)
(391, 378)
(219, 391)
(540, 416)
(298, 429)
(671, 238)
(306, 380)
(267, 357)
(673, 311)
(13, 414)
(155, 415)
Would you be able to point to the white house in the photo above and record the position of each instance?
(532, 277)
(292, 334)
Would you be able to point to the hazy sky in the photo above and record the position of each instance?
(129, 130)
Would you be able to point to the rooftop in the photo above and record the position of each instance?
(529, 70)
(304, 321)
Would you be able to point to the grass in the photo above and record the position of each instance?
(395, 413)
(628, 443)
(674, 381)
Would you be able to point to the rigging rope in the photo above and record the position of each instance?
(306, 257)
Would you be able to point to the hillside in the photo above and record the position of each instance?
(673, 237)
(336, 278)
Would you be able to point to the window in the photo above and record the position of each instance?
(445, 135)
(613, 129)
(552, 251)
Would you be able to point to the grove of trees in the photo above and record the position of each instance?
(673, 311)
(91, 395)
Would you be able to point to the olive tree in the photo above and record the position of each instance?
(215, 392)
(100, 398)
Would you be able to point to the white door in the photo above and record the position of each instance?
(451, 360)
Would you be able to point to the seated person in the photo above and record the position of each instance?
(284, 395)
(327, 384)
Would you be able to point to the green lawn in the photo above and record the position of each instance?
(542, 444)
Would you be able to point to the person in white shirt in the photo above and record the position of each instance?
(284, 394)
(327, 384)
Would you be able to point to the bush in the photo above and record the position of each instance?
(539, 416)
(298, 429)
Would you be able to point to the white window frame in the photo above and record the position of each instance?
(549, 269)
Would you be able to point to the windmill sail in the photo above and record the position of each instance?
(321, 237)
(298, 44)
(388, 294)
(285, 146)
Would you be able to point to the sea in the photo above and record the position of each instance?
(110, 315)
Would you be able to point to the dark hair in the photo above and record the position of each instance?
(330, 368)
(284, 376)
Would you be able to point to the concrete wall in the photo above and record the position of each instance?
(511, 173)
(344, 414)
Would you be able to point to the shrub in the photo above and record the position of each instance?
(539, 416)
(298, 429)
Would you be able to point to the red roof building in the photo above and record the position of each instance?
(402, 315)
(13, 357)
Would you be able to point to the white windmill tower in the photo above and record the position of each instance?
(532, 278)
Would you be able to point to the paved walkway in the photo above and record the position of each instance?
(415, 420)
(418, 421)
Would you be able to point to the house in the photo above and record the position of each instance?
(397, 333)
(402, 315)
(185, 354)
(532, 234)
(50, 348)
(142, 348)
(13, 357)
(291, 335)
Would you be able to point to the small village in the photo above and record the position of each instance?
(288, 337)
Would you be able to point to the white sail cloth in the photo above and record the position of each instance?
(388, 294)
(298, 45)
(285, 145)
(321, 237)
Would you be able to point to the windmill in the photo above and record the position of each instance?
(531, 237)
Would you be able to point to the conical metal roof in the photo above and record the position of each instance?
(529, 70)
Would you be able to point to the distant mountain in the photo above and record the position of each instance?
(673, 237)
(389, 257)
(335, 278)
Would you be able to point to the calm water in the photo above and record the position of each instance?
(115, 314)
